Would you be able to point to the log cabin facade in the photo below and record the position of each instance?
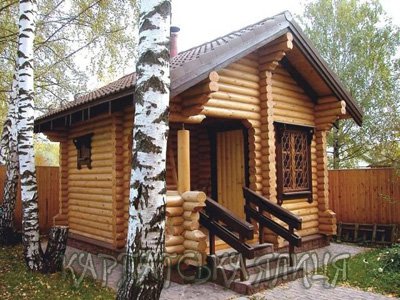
(250, 109)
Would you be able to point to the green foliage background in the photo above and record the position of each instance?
(361, 45)
(100, 31)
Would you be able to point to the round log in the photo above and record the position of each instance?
(333, 112)
(248, 62)
(233, 105)
(174, 221)
(238, 74)
(191, 225)
(174, 201)
(235, 97)
(194, 196)
(178, 249)
(214, 76)
(173, 240)
(243, 68)
(201, 89)
(193, 206)
(230, 113)
(239, 82)
(174, 211)
(195, 235)
(195, 245)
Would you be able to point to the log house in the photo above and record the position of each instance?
(250, 109)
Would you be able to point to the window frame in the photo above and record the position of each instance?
(280, 128)
(83, 142)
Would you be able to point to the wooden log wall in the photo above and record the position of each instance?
(291, 105)
(269, 57)
(127, 163)
(90, 191)
(327, 111)
(259, 91)
(117, 143)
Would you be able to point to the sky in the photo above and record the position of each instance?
(203, 20)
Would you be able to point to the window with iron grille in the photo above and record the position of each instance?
(293, 163)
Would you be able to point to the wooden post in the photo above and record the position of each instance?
(183, 161)
(291, 248)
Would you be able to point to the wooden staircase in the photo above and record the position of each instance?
(248, 268)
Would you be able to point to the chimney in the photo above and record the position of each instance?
(174, 41)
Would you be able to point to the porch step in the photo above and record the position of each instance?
(262, 249)
(230, 265)
(266, 280)
(259, 250)
(262, 272)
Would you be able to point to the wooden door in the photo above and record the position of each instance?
(230, 163)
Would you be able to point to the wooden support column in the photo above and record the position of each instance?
(183, 161)
(326, 217)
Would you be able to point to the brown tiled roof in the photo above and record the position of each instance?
(124, 83)
(188, 67)
(193, 65)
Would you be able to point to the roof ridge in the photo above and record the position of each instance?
(285, 12)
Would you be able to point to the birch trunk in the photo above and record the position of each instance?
(144, 269)
(30, 218)
(9, 153)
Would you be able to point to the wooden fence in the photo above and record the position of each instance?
(47, 178)
(369, 196)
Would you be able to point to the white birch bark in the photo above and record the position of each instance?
(9, 142)
(144, 270)
(30, 217)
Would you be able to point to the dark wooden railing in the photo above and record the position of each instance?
(255, 208)
(220, 222)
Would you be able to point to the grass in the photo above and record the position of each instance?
(376, 271)
(18, 283)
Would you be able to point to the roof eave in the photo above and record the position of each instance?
(109, 98)
(325, 72)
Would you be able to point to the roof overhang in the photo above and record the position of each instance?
(240, 43)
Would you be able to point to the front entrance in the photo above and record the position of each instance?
(229, 169)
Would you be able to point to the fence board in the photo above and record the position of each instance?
(47, 178)
(365, 195)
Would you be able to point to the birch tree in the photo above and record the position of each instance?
(98, 30)
(144, 268)
(30, 218)
(9, 155)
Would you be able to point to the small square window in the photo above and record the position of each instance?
(84, 150)
(293, 161)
